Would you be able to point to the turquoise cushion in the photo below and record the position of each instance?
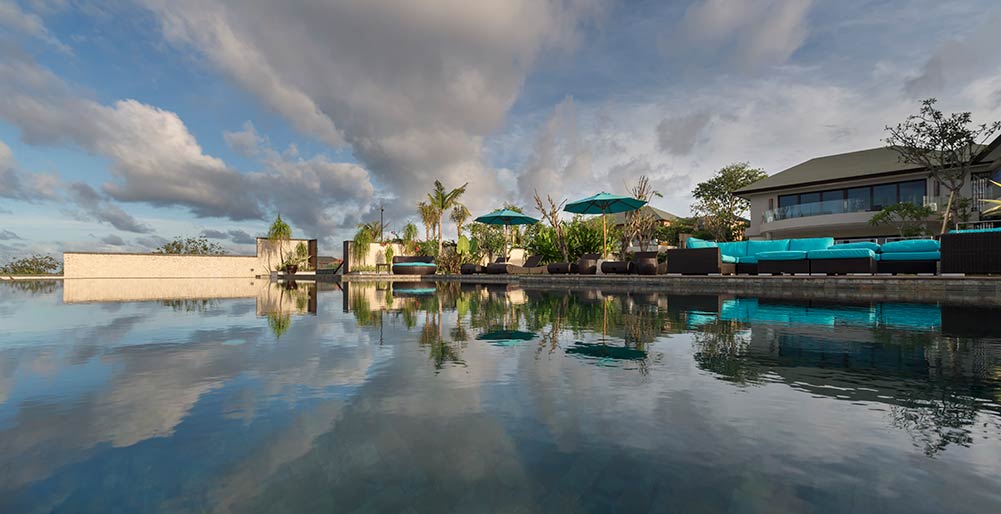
(911, 245)
(414, 264)
(841, 253)
(777, 245)
(735, 248)
(911, 256)
(787, 255)
(811, 243)
(861, 244)
(974, 230)
(694, 242)
(728, 258)
(747, 259)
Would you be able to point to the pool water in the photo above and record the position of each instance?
(245, 396)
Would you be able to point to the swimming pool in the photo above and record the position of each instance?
(246, 396)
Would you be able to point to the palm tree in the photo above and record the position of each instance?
(280, 232)
(442, 201)
(459, 216)
(428, 216)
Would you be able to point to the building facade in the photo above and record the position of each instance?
(837, 195)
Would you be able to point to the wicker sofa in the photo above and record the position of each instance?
(975, 251)
(418, 265)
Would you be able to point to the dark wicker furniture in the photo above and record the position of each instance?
(698, 261)
(907, 267)
(789, 267)
(587, 265)
(532, 265)
(401, 267)
(975, 252)
(842, 266)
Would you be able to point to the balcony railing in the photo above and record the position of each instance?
(844, 206)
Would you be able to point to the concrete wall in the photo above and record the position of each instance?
(149, 265)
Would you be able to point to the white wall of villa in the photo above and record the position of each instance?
(150, 265)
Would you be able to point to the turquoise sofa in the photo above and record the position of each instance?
(807, 255)
(747, 257)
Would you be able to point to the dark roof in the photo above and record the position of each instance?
(864, 163)
(619, 218)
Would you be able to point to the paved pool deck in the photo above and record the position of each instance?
(973, 290)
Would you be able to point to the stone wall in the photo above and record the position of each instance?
(150, 265)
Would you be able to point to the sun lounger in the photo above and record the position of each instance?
(472, 269)
(532, 265)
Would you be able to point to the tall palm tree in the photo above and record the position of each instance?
(459, 216)
(442, 201)
(428, 216)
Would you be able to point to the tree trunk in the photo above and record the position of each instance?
(948, 212)
(439, 235)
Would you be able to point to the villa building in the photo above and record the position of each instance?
(837, 195)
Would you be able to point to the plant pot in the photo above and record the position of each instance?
(291, 269)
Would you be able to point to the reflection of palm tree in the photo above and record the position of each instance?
(279, 323)
(441, 351)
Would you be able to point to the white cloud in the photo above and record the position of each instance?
(14, 18)
(413, 87)
(154, 159)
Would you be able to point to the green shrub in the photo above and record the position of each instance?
(34, 265)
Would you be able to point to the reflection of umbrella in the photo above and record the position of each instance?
(604, 203)
(603, 351)
(506, 337)
(506, 217)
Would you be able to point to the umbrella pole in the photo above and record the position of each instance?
(604, 235)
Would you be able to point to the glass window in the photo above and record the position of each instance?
(912, 192)
(858, 199)
(788, 206)
(883, 196)
(832, 202)
(809, 204)
(788, 200)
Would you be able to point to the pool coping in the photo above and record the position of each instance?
(949, 289)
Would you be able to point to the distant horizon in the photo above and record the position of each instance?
(124, 126)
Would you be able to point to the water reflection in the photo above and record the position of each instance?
(458, 397)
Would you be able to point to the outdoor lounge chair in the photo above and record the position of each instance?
(586, 265)
(975, 251)
(910, 256)
(419, 265)
(472, 269)
(532, 266)
(645, 263)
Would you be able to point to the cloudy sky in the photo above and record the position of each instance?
(127, 122)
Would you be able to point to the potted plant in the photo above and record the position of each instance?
(296, 259)
(389, 253)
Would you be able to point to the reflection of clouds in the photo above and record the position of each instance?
(153, 387)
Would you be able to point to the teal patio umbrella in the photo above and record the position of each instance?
(506, 217)
(604, 203)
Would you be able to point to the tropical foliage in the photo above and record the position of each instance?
(907, 218)
(33, 265)
(717, 206)
(191, 246)
(367, 234)
(945, 145)
(441, 200)
(278, 233)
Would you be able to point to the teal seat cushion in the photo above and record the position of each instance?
(694, 242)
(786, 255)
(747, 259)
(841, 253)
(974, 230)
(861, 244)
(811, 243)
(911, 256)
(776, 245)
(728, 259)
(734, 248)
(415, 264)
(911, 245)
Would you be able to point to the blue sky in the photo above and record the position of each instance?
(129, 122)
